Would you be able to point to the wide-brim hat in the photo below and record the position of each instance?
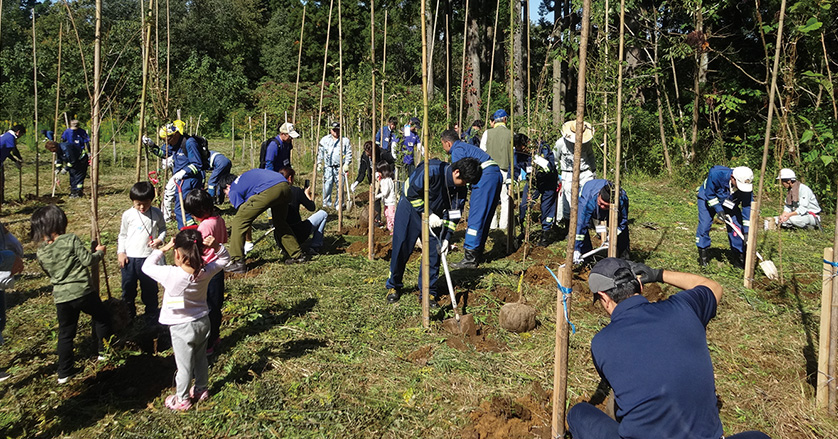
(569, 132)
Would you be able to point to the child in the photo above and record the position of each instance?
(185, 309)
(387, 191)
(142, 230)
(199, 204)
(11, 252)
(65, 259)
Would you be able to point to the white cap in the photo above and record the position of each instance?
(288, 128)
(744, 177)
(786, 174)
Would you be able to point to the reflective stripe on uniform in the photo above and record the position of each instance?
(472, 232)
(746, 223)
(450, 224)
(729, 204)
(417, 202)
(488, 163)
(712, 202)
(580, 237)
(193, 168)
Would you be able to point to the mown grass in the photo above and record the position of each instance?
(314, 350)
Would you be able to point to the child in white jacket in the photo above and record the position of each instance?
(185, 310)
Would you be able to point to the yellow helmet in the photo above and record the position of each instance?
(177, 126)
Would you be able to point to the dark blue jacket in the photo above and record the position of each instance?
(589, 210)
(408, 146)
(278, 154)
(76, 136)
(715, 191)
(8, 146)
(220, 165)
(390, 138)
(442, 193)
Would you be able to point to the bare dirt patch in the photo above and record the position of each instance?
(535, 253)
(478, 337)
(511, 418)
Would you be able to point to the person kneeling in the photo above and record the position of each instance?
(314, 225)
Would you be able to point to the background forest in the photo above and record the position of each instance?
(696, 74)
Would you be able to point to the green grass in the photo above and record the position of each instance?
(314, 350)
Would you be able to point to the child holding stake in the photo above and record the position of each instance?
(387, 192)
(66, 259)
(199, 204)
(185, 309)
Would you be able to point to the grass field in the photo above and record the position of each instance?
(313, 350)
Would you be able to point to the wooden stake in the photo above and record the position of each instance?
(832, 366)
(299, 61)
(146, 53)
(426, 244)
(94, 138)
(341, 121)
(750, 257)
(605, 100)
(447, 72)
(35, 84)
(463, 69)
(492, 65)
(529, 80)
(57, 100)
(371, 207)
(250, 133)
(232, 138)
(560, 366)
(824, 382)
(513, 186)
(168, 58)
(615, 198)
(320, 109)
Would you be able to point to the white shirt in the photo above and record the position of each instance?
(138, 230)
(387, 191)
(808, 202)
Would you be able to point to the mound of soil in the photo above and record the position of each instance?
(505, 417)
(421, 356)
(505, 294)
(538, 275)
(476, 337)
(381, 250)
(534, 252)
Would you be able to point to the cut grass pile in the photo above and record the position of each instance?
(314, 350)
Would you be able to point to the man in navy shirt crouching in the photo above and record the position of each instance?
(654, 356)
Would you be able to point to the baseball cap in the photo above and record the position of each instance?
(334, 126)
(500, 114)
(603, 274)
(744, 177)
(786, 174)
(414, 121)
(288, 128)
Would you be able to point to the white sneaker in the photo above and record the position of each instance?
(248, 246)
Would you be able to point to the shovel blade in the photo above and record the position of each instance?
(465, 326)
(769, 269)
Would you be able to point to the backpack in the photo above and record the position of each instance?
(263, 151)
(203, 149)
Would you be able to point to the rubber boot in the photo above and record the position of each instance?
(469, 260)
(703, 258)
(545, 239)
(738, 259)
(393, 296)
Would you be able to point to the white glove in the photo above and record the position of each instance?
(346, 167)
(434, 221)
(541, 162)
(577, 257)
(146, 140)
(354, 185)
(179, 175)
(445, 246)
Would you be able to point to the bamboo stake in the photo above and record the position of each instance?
(57, 99)
(463, 69)
(250, 133)
(513, 187)
(299, 61)
(529, 79)
(822, 392)
(561, 347)
(233, 138)
(94, 141)
(492, 65)
(371, 207)
(320, 109)
(35, 84)
(828, 72)
(1, 19)
(447, 72)
(755, 205)
(341, 121)
(426, 245)
(658, 95)
(146, 53)
(168, 58)
(383, 71)
(615, 198)
(605, 100)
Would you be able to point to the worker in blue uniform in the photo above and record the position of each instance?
(411, 142)
(594, 204)
(187, 167)
(218, 166)
(472, 135)
(485, 196)
(725, 193)
(74, 144)
(446, 190)
(546, 181)
(8, 145)
(388, 136)
(277, 154)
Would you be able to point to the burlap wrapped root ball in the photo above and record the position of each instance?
(364, 220)
(517, 317)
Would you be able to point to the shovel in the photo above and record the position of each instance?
(460, 324)
(591, 253)
(767, 267)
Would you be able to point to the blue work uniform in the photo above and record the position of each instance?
(471, 136)
(278, 154)
(219, 166)
(546, 185)
(485, 195)
(187, 157)
(8, 146)
(714, 197)
(589, 211)
(442, 195)
(75, 160)
(409, 144)
(388, 139)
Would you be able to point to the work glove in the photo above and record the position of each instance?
(179, 175)
(346, 167)
(577, 257)
(645, 273)
(522, 176)
(63, 170)
(445, 246)
(146, 141)
(541, 162)
(353, 186)
(434, 221)
(721, 216)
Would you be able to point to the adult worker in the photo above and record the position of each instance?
(411, 144)
(388, 136)
(8, 145)
(595, 204)
(725, 193)
(546, 180)
(75, 160)
(483, 201)
(314, 225)
(497, 141)
(76, 135)
(277, 152)
(365, 171)
(447, 189)
(218, 166)
(563, 151)
(251, 194)
(329, 154)
(801, 208)
(654, 356)
(187, 164)
(472, 134)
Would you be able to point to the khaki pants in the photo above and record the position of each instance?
(276, 198)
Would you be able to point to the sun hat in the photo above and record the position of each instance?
(569, 132)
